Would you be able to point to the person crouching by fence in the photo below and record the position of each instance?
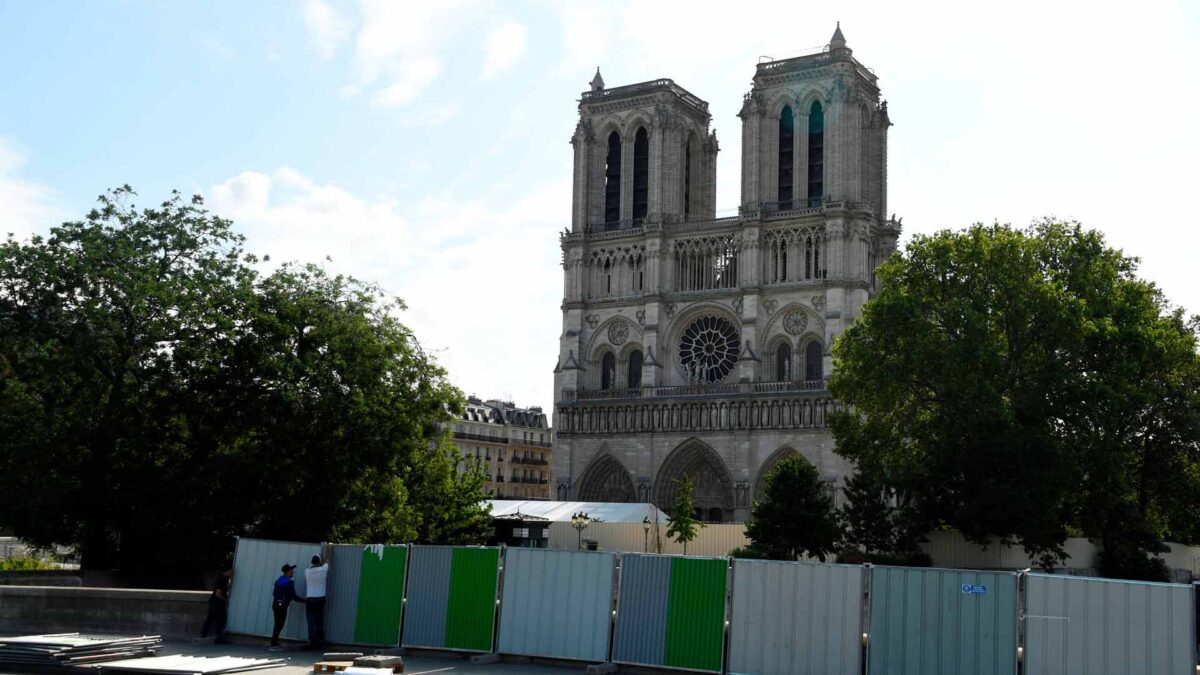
(218, 607)
(282, 595)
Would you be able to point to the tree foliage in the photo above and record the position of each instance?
(160, 395)
(796, 516)
(879, 526)
(684, 526)
(1015, 384)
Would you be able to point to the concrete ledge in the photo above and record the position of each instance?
(50, 609)
(480, 659)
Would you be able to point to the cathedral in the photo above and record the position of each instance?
(700, 345)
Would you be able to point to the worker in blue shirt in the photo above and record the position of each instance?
(282, 595)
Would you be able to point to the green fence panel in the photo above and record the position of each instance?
(471, 612)
(696, 614)
(380, 595)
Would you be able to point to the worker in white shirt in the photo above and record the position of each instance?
(314, 579)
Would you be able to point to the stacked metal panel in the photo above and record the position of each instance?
(72, 649)
(557, 603)
(790, 618)
(188, 665)
(942, 622)
(1079, 625)
(256, 566)
(452, 598)
(671, 612)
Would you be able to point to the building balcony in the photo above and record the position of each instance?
(687, 390)
(480, 437)
(530, 460)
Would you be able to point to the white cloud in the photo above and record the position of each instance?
(433, 116)
(473, 274)
(505, 45)
(26, 207)
(327, 27)
(410, 79)
(399, 45)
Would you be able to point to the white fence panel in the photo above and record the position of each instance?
(1086, 626)
(796, 619)
(256, 566)
(557, 604)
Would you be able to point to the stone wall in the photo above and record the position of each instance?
(28, 610)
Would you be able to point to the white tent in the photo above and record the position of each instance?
(561, 512)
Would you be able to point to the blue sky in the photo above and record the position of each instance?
(424, 146)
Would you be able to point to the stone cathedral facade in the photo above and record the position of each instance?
(700, 345)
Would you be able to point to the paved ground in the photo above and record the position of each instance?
(414, 664)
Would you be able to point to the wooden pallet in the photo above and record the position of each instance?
(339, 666)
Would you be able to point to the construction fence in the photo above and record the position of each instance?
(717, 615)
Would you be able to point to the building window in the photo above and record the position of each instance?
(787, 136)
(783, 362)
(812, 361)
(687, 179)
(641, 173)
(635, 369)
(816, 154)
(612, 179)
(608, 371)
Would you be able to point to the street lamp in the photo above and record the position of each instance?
(646, 533)
(579, 521)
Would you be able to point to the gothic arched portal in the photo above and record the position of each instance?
(605, 480)
(712, 492)
(760, 483)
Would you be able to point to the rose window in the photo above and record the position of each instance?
(708, 349)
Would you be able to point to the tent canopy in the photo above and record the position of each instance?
(561, 512)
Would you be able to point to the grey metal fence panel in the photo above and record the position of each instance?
(557, 603)
(942, 622)
(256, 566)
(428, 596)
(341, 608)
(795, 618)
(641, 631)
(1081, 625)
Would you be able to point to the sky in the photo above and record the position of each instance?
(424, 146)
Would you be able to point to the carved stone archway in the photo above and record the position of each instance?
(606, 480)
(712, 494)
(760, 483)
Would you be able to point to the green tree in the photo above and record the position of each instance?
(159, 396)
(683, 525)
(452, 503)
(1014, 384)
(879, 526)
(796, 516)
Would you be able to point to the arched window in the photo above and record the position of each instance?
(808, 258)
(608, 371)
(635, 369)
(783, 362)
(787, 133)
(812, 361)
(687, 179)
(612, 179)
(608, 277)
(641, 173)
(816, 154)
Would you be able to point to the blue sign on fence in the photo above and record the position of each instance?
(974, 589)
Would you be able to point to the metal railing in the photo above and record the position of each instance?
(695, 390)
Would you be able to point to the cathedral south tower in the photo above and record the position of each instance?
(696, 345)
